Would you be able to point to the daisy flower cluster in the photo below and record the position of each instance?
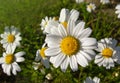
(68, 44)
(9, 61)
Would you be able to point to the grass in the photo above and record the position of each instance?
(27, 15)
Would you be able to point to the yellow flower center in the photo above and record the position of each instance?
(107, 52)
(69, 45)
(10, 38)
(42, 52)
(9, 58)
(64, 24)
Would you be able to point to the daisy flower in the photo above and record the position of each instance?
(91, 7)
(40, 56)
(10, 38)
(104, 1)
(79, 1)
(47, 23)
(66, 15)
(90, 80)
(118, 10)
(9, 62)
(72, 46)
(108, 53)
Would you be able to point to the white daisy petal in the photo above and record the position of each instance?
(52, 51)
(54, 31)
(10, 48)
(4, 54)
(105, 64)
(85, 55)
(85, 33)
(8, 70)
(79, 27)
(2, 60)
(88, 42)
(117, 7)
(53, 40)
(118, 15)
(3, 41)
(74, 14)
(14, 71)
(20, 59)
(38, 57)
(96, 80)
(52, 59)
(15, 68)
(65, 64)
(100, 46)
(90, 52)
(101, 63)
(117, 11)
(62, 30)
(88, 47)
(3, 35)
(16, 43)
(18, 38)
(71, 25)
(19, 54)
(73, 63)
(4, 67)
(98, 58)
(59, 60)
(111, 62)
(81, 60)
(63, 15)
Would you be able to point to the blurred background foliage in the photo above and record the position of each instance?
(27, 16)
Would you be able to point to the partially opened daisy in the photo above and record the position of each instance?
(66, 15)
(118, 10)
(70, 47)
(10, 61)
(104, 1)
(90, 80)
(10, 38)
(38, 66)
(108, 53)
(40, 56)
(49, 76)
(91, 7)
